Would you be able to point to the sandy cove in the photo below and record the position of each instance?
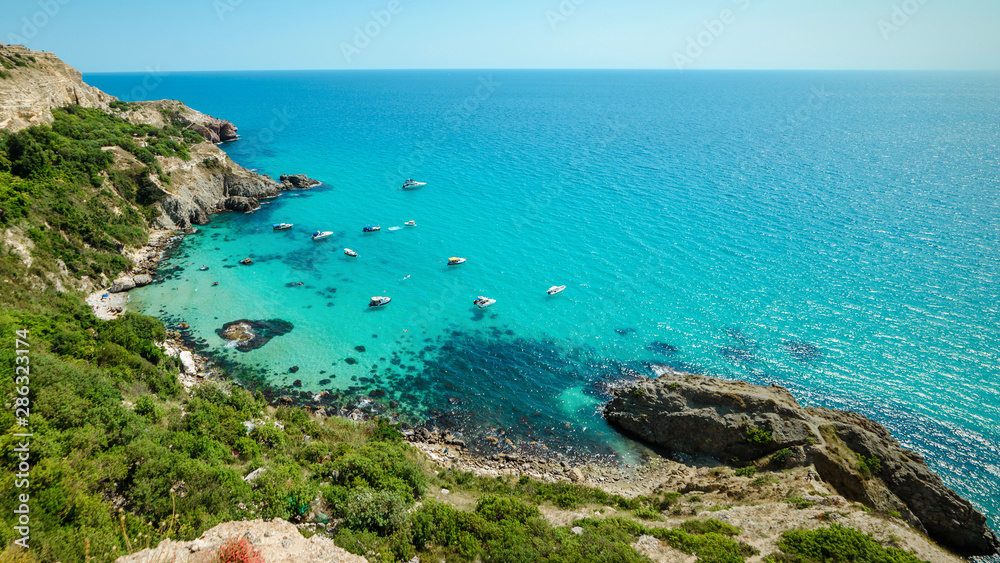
(108, 305)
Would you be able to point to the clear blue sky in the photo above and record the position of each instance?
(136, 35)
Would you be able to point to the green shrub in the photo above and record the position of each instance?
(748, 471)
(386, 431)
(781, 456)
(495, 508)
(709, 526)
(382, 512)
(146, 407)
(868, 466)
(800, 503)
(647, 513)
(382, 465)
(840, 544)
(757, 436)
(440, 524)
(764, 480)
(670, 499)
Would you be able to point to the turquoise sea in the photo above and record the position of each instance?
(837, 233)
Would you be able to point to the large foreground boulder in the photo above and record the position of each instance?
(734, 421)
(277, 541)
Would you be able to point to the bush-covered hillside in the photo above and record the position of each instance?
(59, 185)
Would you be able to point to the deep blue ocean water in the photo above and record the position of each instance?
(836, 233)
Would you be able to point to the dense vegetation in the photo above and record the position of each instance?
(59, 187)
(120, 458)
(837, 543)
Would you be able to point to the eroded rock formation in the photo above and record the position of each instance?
(734, 420)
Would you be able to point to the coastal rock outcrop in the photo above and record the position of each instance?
(127, 283)
(297, 182)
(209, 183)
(241, 204)
(215, 130)
(249, 335)
(726, 419)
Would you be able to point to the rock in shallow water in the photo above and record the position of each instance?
(250, 335)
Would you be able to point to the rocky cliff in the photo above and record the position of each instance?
(208, 183)
(740, 423)
(34, 82)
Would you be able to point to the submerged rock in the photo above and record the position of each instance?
(802, 350)
(723, 419)
(661, 348)
(250, 335)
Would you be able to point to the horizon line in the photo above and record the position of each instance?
(563, 69)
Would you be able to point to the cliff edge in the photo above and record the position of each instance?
(740, 423)
(32, 83)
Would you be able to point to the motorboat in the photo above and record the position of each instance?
(371, 228)
(203, 268)
(321, 234)
(411, 184)
(378, 301)
(454, 261)
(556, 289)
(483, 302)
(350, 252)
(246, 261)
(281, 226)
(410, 223)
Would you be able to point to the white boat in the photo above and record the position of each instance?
(483, 302)
(281, 226)
(556, 289)
(379, 301)
(350, 252)
(410, 184)
(321, 234)
(454, 261)
(410, 223)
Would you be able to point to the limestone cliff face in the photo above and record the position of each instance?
(35, 82)
(734, 419)
(209, 183)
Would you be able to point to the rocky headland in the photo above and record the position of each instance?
(743, 424)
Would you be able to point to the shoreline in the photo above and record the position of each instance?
(108, 305)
